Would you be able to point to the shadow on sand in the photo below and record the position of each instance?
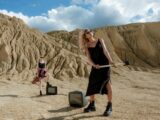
(47, 95)
(15, 96)
(72, 116)
(65, 109)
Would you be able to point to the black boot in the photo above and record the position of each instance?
(108, 110)
(40, 93)
(91, 107)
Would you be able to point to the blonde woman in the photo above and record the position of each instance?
(99, 79)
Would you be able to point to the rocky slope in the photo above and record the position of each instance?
(138, 43)
(21, 47)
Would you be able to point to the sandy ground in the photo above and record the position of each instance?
(136, 96)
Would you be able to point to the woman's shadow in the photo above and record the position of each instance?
(67, 109)
(74, 118)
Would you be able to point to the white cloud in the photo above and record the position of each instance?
(132, 8)
(72, 16)
(105, 12)
(67, 18)
(19, 15)
(152, 13)
(91, 1)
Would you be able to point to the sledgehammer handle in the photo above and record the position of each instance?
(125, 63)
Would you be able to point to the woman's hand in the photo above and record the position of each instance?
(96, 66)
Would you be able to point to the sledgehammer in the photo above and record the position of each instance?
(124, 64)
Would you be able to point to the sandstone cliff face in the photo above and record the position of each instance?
(129, 42)
(21, 47)
(138, 43)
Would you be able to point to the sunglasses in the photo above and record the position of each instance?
(88, 32)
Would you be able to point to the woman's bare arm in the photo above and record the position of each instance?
(106, 51)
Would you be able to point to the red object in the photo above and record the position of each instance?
(36, 79)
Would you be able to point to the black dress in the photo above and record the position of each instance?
(98, 78)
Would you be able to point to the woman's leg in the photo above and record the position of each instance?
(91, 107)
(46, 78)
(40, 86)
(109, 88)
(92, 98)
(108, 110)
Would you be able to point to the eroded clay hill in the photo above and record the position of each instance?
(138, 43)
(21, 47)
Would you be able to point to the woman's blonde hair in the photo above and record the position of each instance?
(83, 40)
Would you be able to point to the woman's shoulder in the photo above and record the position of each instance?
(100, 39)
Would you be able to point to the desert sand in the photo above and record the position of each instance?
(136, 88)
(136, 96)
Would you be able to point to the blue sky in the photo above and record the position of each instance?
(47, 15)
(32, 7)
